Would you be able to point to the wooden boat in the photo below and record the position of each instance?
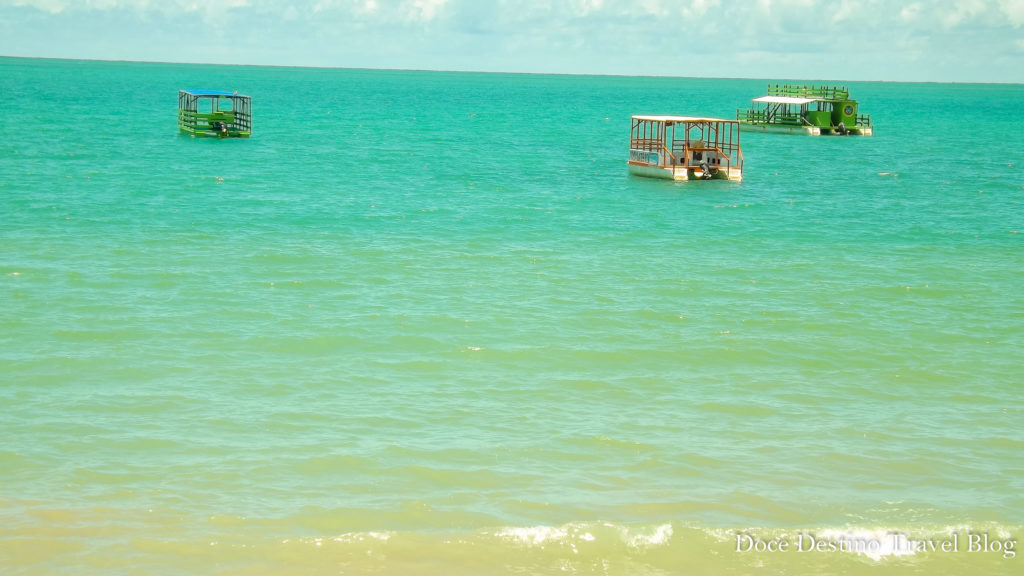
(685, 148)
(810, 110)
(214, 113)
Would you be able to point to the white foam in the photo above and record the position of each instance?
(648, 537)
(541, 535)
(362, 537)
(347, 538)
(637, 537)
(533, 535)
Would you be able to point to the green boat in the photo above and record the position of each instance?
(811, 110)
(214, 113)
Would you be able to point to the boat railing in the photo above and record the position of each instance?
(648, 144)
(727, 153)
(724, 153)
(751, 115)
(756, 116)
(769, 116)
(243, 121)
(653, 145)
(818, 92)
(208, 122)
(673, 159)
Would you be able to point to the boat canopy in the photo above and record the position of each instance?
(784, 100)
(678, 119)
(195, 92)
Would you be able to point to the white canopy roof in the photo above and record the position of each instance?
(784, 100)
(679, 119)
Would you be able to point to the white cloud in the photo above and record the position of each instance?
(51, 6)
(699, 8)
(163, 6)
(874, 39)
(845, 12)
(424, 10)
(793, 7)
(1014, 10)
(584, 7)
(949, 13)
(961, 11)
(909, 13)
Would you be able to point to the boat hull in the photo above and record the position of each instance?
(781, 129)
(201, 133)
(807, 130)
(684, 174)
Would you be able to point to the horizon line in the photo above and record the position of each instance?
(456, 71)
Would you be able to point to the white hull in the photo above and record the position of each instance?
(685, 148)
(809, 130)
(682, 174)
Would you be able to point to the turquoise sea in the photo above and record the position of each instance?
(425, 323)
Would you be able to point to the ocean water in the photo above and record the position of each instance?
(425, 323)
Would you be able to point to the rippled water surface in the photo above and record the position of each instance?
(425, 323)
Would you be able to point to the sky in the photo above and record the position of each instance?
(843, 40)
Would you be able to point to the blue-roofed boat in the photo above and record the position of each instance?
(214, 113)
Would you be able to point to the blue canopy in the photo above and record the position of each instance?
(211, 92)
